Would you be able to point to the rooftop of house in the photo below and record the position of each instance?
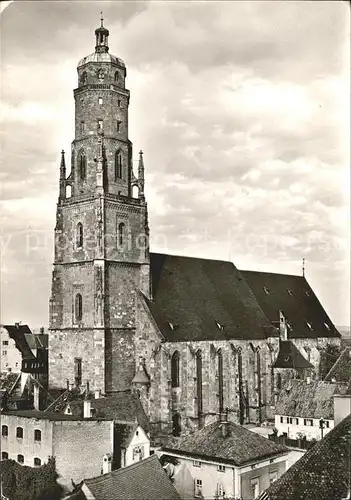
(295, 298)
(341, 369)
(322, 473)
(289, 356)
(309, 400)
(144, 480)
(123, 406)
(225, 308)
(238, 447)
(18, 332)
(47, 415)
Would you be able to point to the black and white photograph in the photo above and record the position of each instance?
(175, 250)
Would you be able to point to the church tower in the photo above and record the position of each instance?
(101, 235)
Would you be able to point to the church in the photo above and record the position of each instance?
(193, 337)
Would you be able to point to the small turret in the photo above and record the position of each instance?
(141, 179)
(62, 176)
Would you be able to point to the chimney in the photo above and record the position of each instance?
(87, 408)
(97, 393)
(224, 422)
(342, 407)
(67, 381)
(107, 463)
(41, 330)
(17, 325)
(70, 386)
(36, 397)
(308, 380)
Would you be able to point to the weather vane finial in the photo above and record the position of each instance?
(102, 19)
(303, 267)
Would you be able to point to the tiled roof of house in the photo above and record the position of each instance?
(18, 334)
(144, 480)
(341, 369)
(202, 299)
(44, 415)
(323, 473)
(290, 357)
(123, 406)
(313, 400)
(238, 447)
(295, 298)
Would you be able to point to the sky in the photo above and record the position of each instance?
(241, 109)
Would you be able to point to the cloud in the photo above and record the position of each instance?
(240, 108)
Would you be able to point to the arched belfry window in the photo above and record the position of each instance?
(83, 78)
(220, 380)
(175, 369)
(121, 233)
(79, 235)
(78, 307)
(118, 165)
(116, 76)
(82, 165)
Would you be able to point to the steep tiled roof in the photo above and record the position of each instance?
(295, 298)
(123, 406)
(290, 357)
(202, 299)
(313, 400)
(144, 480)
(341, 369)
(238, 447)
(18, 334)
(323, 473)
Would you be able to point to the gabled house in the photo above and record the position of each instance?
(224, 460)
(24, 352)
(131, 425)
(306, 408)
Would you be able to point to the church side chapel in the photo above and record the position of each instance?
(192, 337)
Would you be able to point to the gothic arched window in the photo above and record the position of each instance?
(82, 163)
(79, 235)
(121, 233)
(78, 307)
(118, 165)
(198, 360)
(175, 369)
(116, 76)
(220, 380)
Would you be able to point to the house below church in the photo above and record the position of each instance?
(306, 408)
(223, 460)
